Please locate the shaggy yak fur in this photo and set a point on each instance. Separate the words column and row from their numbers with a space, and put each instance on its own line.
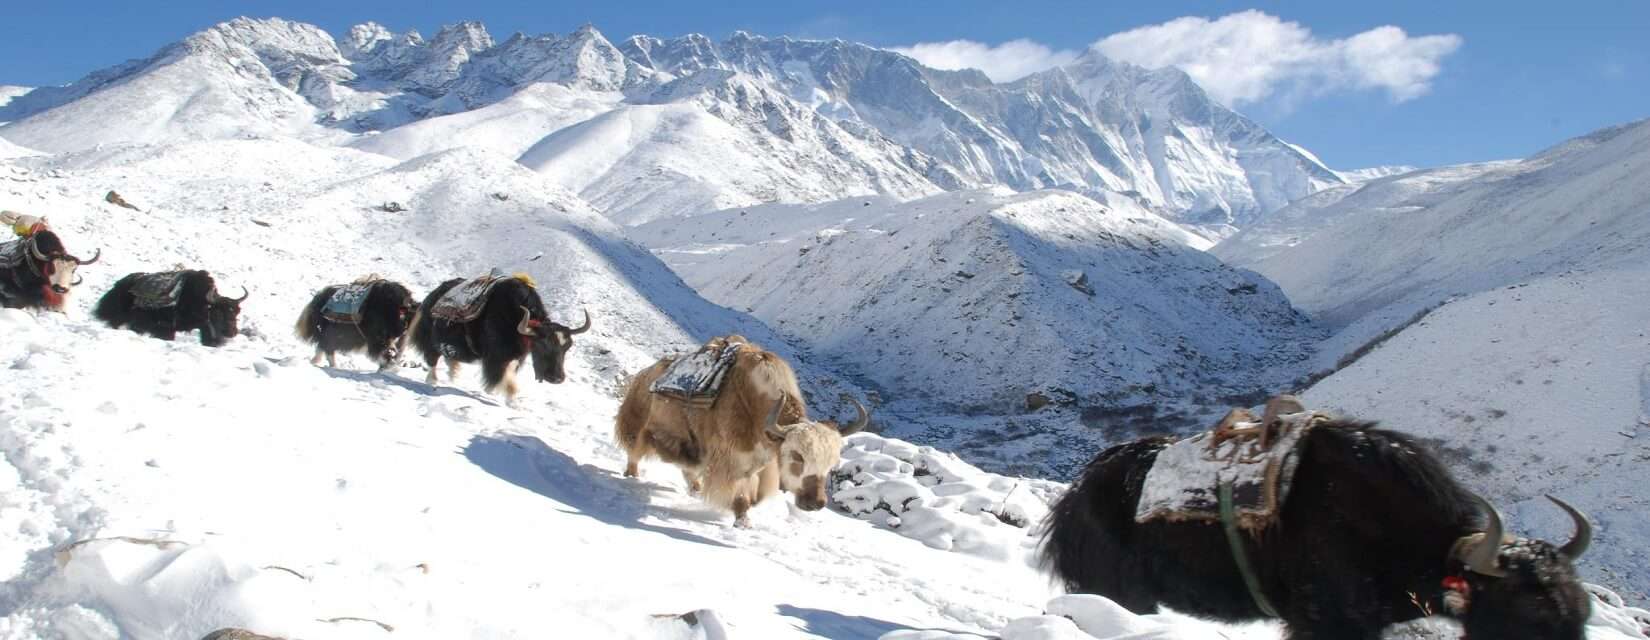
column 199, row 307
column 513, row 325
column 1370, row 531
column 385, row 314
column 755, row 440
column 43, row 279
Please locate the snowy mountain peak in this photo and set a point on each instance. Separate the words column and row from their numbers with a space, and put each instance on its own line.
column 1093, row 126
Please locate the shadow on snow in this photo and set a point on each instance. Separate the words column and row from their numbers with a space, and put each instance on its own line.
column 831, row 624
column 590, row 491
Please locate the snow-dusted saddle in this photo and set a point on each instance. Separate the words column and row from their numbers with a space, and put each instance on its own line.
column 464, row 302
column 158, row 290
column 697, row 377
column 1258, row 458
column 345, row 304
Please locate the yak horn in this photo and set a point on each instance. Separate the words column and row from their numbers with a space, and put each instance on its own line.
column 244, row 295
column 34, row 250
column 859, row 423
column 526, row 326
column 1480, row 556
column 77, row 280
column 770, row 424
column 1583, row 537
column 584, row 327
column 96, row 253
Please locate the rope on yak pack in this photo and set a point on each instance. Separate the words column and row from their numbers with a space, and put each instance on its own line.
column 1228, row 521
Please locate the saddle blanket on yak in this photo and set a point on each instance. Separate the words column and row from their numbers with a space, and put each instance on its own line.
column 12, row 254
column 1258, row 459
column 463, row 303
column 345, row 304
column 158, row 290
column 697, row 378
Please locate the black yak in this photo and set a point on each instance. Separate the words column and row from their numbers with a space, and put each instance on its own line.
column 1374, row 532
column 36, row 272
column 371, row 315
column 163, row 304
column 501, row 325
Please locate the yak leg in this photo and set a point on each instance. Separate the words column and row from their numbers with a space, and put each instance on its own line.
column 319, row 352
column 741, row 511
column 509, row 383
column 694, row 484
column 332, row 359
column 430, row 379
column 452, row 370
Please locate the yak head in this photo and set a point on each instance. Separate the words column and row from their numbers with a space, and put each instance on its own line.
column 56, row 265
column 223, row 317
column 1520, row 588
column 549, row 343
column 808, row 452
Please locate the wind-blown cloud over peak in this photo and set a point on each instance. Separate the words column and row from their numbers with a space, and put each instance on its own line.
column 1244, row 57
column 1250, row 56
column 1005, row 62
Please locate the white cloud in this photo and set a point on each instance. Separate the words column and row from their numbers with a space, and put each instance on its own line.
column 1251, row 56
column 1240, row 58
column 1010, row 60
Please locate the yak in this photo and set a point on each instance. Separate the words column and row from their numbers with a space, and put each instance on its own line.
column 754, row 440
column 163, row 304
column 511, row 324
column 374, row 319
column 36, row 272
column 1374, row 532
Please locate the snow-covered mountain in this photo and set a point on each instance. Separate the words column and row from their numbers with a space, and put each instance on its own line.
column 988, row 305
column 1499, row 309
column 787, row 120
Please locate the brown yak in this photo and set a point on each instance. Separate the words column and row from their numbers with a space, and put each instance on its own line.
column 755, row 439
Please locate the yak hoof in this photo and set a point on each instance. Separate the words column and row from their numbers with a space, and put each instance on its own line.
column 742, row 522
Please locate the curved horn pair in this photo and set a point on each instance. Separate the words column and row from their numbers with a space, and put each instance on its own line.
column 1481, row 555
column 212, row 296
column 584, row 327
column 859, row 423
column 526, row 326
column 34, row 251
column 96, row 254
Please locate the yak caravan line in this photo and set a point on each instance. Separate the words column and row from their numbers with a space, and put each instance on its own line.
column 1150, row 523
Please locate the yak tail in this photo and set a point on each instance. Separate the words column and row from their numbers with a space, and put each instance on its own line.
column 113, row 308
column 307, row 329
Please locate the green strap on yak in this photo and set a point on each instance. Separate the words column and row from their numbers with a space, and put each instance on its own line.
column 1228, row 520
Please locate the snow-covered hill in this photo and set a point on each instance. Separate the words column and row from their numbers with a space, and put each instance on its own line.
column 993, row 304
column 1498, row 309
column 1401, row 192
column 628, row 127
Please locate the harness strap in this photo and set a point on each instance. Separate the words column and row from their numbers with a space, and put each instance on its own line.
column 1228, row 521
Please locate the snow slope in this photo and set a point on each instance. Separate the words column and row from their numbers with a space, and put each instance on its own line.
column 987, row 303
column 224, row 82
column 1579, row 205
column 642, row 162
column 1396, row 194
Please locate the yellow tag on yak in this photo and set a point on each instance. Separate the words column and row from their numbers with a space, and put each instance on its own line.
column 525, row 279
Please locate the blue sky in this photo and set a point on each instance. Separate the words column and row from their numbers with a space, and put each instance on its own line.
column 1465, row 81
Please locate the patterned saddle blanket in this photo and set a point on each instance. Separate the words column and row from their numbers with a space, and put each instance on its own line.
column 697, row 377
column 13, row 254
column 158, row 290
column 345, row 304
column 1258, row 458
column 464, row 302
